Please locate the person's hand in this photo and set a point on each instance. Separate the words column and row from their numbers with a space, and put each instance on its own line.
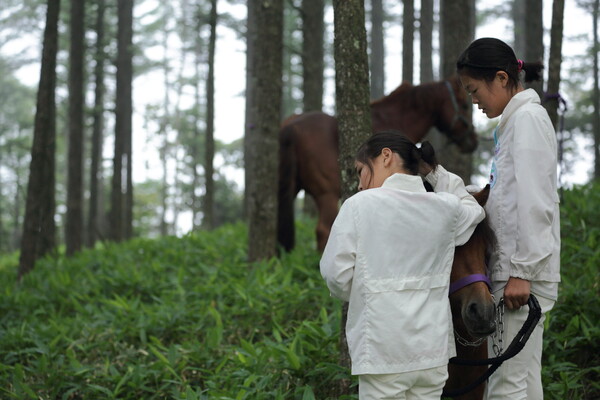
column 424, row 168
column 516, row 293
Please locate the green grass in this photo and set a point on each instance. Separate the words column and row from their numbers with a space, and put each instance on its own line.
column 189, row 318
column 571, row 363
column 170, row 319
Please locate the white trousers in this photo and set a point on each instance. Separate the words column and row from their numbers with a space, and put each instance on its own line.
column 426, row 384
column 519, row 378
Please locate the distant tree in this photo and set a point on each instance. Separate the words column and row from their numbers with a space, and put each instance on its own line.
column 96, row 203
column 39, row 229
column 122, row 185
column 456, row 32
column 17, row 104
column 74, row 224
column 353, row 110
column 519, row 22
column 408, row 38
column 262, row 140
column 209, row 196
column 250, row 111
column 377, row 56
column 534, row 38
column 596, row 91
column 313, row 31
column 551, row 100
column 426, row 41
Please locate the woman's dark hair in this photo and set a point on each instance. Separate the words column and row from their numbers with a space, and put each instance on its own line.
column 486, row 56
column 400, row 144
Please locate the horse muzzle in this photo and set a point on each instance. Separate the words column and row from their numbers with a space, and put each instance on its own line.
column 479, row 318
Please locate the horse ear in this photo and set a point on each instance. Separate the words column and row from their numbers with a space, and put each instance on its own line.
column 482, row 195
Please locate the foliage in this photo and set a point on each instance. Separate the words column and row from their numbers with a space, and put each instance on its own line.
column 571, row 344
column 176, row 318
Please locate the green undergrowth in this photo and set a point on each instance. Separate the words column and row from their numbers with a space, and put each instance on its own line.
column 189, row 318
column 172, row 318
column 571, row 362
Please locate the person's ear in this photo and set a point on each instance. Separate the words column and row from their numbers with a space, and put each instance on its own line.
column 387, row 156
column 502, row 77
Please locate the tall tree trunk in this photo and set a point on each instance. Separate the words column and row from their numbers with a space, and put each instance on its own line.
column 353, row 110
column 377, row 58
column 195, row 150
column 251, row 111
column 96, row 181
column 74, row 221
column 596, row 95
column 534, row 38
column 313, row 31
column 456, row 32
column 122, row 188
column 408, row 39
column 551, row 102
column 426, row 41
column 39, row 229
column 209, row 206
column 263, row 143
column 519, row 22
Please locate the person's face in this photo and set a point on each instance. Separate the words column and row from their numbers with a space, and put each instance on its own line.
column 490, row 97
column 381, row 167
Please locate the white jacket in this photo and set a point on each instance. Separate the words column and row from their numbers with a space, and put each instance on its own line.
column 523, row 207
column 389, row 254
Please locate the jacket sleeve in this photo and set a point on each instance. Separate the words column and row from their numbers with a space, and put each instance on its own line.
column 536, row 196
column 338, row 259
column 470, row 213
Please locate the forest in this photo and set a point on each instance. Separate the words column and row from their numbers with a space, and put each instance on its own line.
column 139, row 176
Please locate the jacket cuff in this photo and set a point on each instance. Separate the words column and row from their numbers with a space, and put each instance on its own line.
column 434, row 175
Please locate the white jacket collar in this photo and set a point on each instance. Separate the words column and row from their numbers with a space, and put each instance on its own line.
column 519, row 99
column 411, row 183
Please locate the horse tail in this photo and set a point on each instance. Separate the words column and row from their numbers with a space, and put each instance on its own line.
column 287, row 188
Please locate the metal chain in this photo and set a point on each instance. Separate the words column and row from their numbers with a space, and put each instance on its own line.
column 466, row 342
column 498, row 345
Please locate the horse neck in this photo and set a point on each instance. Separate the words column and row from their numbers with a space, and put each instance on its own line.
column 412, row 111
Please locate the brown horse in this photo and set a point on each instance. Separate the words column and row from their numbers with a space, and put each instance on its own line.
column 309, row 146
column 473, row 310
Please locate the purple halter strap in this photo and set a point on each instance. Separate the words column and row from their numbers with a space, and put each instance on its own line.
column 467, row 280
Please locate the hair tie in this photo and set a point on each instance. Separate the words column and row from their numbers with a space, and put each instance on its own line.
column 520, row 67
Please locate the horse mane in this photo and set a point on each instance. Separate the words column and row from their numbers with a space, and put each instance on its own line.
column 410, row 96
column 486, row 233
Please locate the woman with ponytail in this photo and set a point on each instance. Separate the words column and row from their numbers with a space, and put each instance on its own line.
column 522, row 207
column 389, row 254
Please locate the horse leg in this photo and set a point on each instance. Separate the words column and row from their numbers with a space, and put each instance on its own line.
column 328, row 208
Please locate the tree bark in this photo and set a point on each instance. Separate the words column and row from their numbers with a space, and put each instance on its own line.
column 534, row 39
column 122, row 187
column 250, row 112
column 39, row 229
column 551, row 101
column 377, row 57
column 74, row 219
column 519, row 21
column 313, row 31
column 95, row 210
column 426, row 41
column 408, row 39
column 263, row 144
column 456, row 32
column 209, row 211
column 596, row 94
column 353, row 111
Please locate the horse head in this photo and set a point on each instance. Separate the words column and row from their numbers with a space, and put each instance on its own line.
column 454, row 118
column 471, row 301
